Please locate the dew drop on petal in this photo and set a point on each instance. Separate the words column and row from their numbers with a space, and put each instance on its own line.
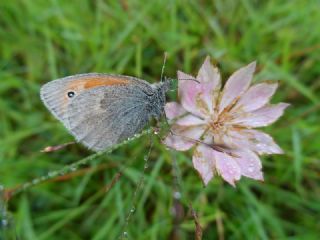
column 251, row 167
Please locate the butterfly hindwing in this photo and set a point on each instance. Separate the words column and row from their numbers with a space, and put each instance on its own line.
column 103, row 116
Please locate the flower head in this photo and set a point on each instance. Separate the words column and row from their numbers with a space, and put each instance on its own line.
column 219, row 123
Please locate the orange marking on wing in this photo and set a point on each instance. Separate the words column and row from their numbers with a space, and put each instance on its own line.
column 96, row 81
column 88, row 82
column 99, row 81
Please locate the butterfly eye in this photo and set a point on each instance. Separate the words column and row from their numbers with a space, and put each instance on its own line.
column 71, row 94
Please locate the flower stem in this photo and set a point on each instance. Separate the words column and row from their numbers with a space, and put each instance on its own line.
column 72, row 167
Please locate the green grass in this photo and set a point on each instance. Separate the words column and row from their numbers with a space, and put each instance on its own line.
column 44, row 40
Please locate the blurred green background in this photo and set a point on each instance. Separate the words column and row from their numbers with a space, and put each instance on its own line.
column 44, row 40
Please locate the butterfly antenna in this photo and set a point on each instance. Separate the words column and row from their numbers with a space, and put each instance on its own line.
column 189, row 79
column 163, row 66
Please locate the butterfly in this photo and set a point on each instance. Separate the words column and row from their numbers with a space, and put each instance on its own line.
column 101, row 110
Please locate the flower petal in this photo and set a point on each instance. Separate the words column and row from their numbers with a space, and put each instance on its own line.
column 227, row 167
column 174, row 110
column 203, row 162
column 249, row 164
column 256, row 97
column 200, row 96
column 189, row 120
column 263, row 142
column 254, row 140
column 261, row 117
column 209, row 78
column 189, row 91
column 179, row 139
column 236, row 85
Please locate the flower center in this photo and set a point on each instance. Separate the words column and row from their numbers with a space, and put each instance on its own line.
column 215, row 125
column 218, row 123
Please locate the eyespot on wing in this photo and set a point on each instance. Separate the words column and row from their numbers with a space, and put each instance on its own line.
column 58, row 94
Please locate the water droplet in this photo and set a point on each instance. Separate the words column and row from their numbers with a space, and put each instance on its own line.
column 145, row 158
column 4, row 222
column 177, row 195
column 156, row 132
column 35, row 181
column 62, row 172
column 125, row 234
column 146, row 166
column 132, row 209
column 73, row 169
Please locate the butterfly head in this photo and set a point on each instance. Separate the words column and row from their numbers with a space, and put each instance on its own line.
column 159, row 98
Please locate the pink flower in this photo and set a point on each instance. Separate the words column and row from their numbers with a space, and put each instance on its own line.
column 219, row 124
